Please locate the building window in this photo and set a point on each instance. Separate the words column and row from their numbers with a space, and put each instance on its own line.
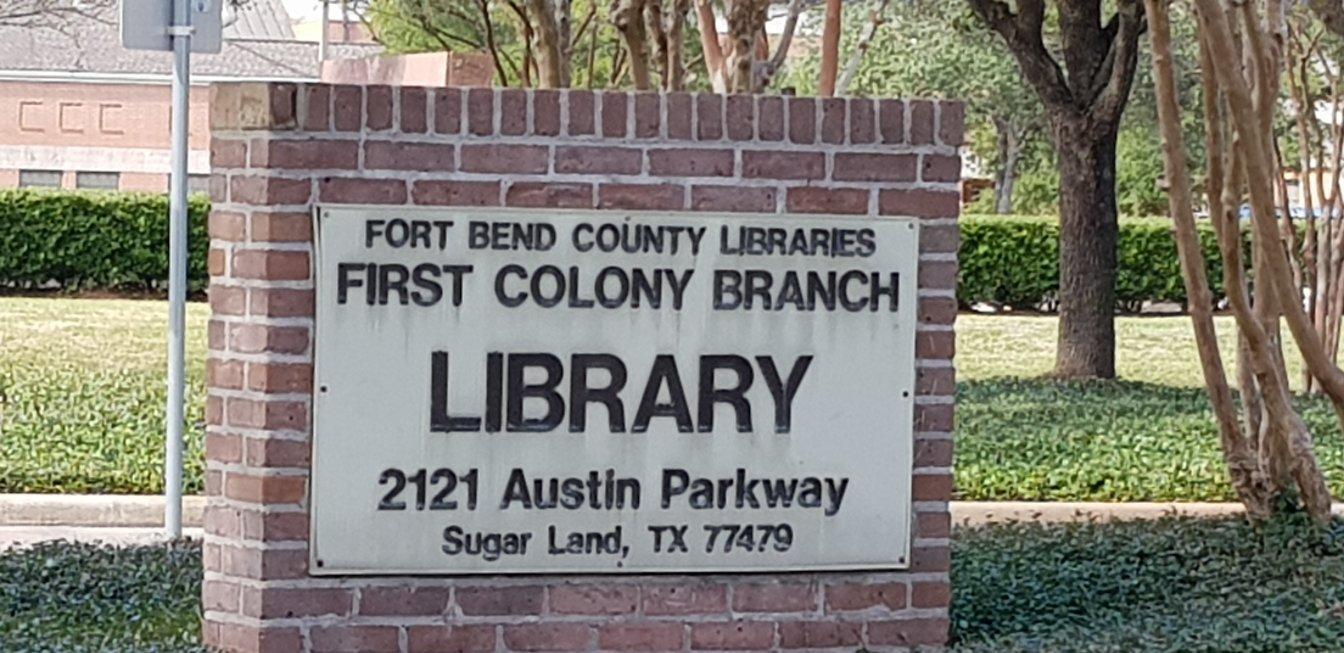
column 98, row 180
column 39, row 179
column 198, row 183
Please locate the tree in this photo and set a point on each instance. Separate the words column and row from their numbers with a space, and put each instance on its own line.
column 1083, row 85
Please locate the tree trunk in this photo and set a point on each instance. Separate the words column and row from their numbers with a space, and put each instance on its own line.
column 1010, row 153
column 628, row 18
column 830, row 49
column 1088, row 232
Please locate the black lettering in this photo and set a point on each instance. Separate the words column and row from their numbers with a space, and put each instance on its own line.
column 581, row 394
column 734, row 396
column 783, row 393
column 520, row 391
column 345, row 280
column 428, row 292
column 439, row 419
column 510, row 301
column 664, row 373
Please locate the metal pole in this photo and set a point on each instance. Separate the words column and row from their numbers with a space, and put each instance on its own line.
column 177, row 269
column 322, row 39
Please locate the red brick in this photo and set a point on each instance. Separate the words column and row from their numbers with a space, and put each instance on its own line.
column 708, row 117
column 951, row 123
column 215, row 261
column 933, row 417
column 495, row 601
column 291, row 227
column 348, row 108
column 317, row 108
column 733, row 199
column 933, row 594
column 740, row 117
column 766, row 164
column 424, row 157
column 214, row 483
column 548, row 637
column 504, row 158
column 775, row 598
column 236, row 637
column 938, row 167
column 936, row 381
column 598, row 160
column 684, row 599
column 921, row 122
column 512, row 112
column 648, row 115
column 217, row 335
column 246, row 413
column 581, row 112
column 770, row 117
column 862, row 126
column 931, row 559
column 451, row 639
column 273, row 452
column 546, row 112
column 933, row 453
column 833, row 120
column 938, row 274
column 853, row 166
column 219, row 187
column 353, row 639
column 908, row 632
column 288, row 603
column 549, row 195
column 305, row 155
column 413, row 110
column 403, row 601
column 226, row 300
column 280, row 377
column 614, row 114
column 225, row 225
column 802, row 120
column 844, row 597
column 268, row 190
column 679, row 111
column 224, row 447
column 919, row 202
column 456, row 193
column 933, row 524
column 932, row 487
column 224, row 373
column 891, row 121
column 943, row 239
column 219, row 595
column 481, row 111
column 447, row 110
column 678, row 162
column 640, row 196
column 270, row 264
column 819, row 634
column 274, row 526
column 263, row 564
column 227, row 154
column 648, row 636
column 827, row 200
column 734, row 635
column 935, row 344
column 265, row 489
column 362, row 190
column 937, row 310
column 281, row 302
column 214, row 410
column 595, row 599
column 378, row 115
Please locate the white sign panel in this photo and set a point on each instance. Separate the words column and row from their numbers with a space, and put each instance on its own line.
column 145, row 25
column 504, row 391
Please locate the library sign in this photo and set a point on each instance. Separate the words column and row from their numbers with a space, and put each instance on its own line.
column 504, row 391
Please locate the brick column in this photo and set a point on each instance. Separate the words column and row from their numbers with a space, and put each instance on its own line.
column 277, row 149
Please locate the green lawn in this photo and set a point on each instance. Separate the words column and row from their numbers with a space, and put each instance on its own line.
column 81, row 401
column 1179, row 585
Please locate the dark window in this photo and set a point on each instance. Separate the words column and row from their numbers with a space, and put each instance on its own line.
column 98, row 180
column 39, row 179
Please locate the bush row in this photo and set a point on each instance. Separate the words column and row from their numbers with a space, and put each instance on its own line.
column 1013, row 261
column 118, row 241
column 83, row 240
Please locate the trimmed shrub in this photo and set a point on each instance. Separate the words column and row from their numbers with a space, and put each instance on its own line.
column 91, row 240
column 1013, row 261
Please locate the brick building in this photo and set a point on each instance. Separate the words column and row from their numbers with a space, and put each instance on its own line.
column 79, row 111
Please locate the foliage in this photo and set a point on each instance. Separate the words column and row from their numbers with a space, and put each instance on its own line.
column 1014, row 261
column 82, row 395
column 75, row 598
column 1175, row 584
column 83, row 239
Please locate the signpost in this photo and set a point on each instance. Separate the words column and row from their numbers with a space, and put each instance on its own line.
column 505, row 391
column 182, row 26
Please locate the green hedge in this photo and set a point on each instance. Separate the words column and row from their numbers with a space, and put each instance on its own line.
column 86, row 240
column 1014, row 261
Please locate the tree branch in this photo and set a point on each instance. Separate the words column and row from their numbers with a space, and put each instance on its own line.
column 1023, row 33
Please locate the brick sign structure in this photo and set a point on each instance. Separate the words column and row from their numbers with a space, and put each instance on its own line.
column 280, row 150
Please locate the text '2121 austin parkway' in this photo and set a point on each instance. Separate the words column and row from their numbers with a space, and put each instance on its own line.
column 505, row 391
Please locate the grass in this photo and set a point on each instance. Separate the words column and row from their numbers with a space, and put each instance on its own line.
column 81, row 405
column 1176, row 584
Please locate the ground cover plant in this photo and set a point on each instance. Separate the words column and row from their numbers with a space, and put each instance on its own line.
column 82, row 391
